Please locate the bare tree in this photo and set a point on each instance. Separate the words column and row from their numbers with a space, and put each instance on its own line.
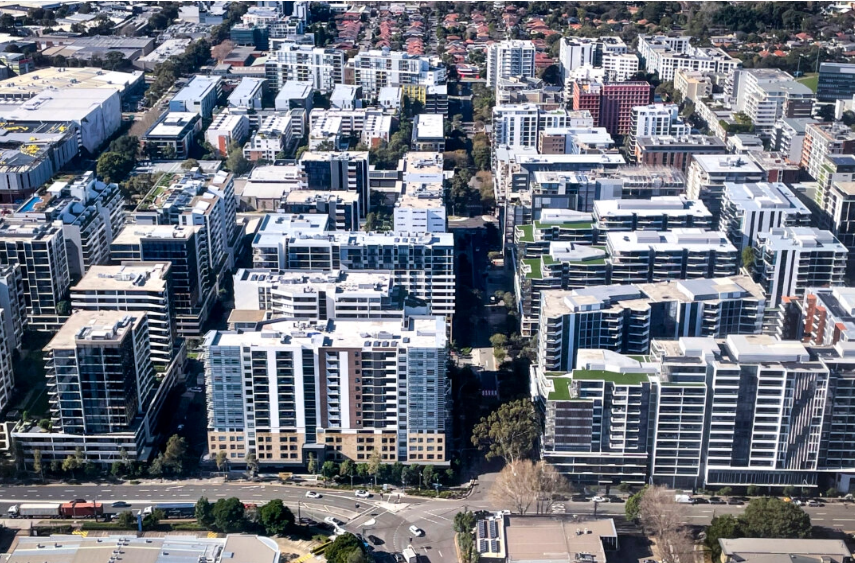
column 516, row 485
column 522, row 482
column 221, row 51
column 663, row 517
column 549, row 484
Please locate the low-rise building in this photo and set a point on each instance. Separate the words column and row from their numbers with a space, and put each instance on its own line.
column 692, row 84
column 293, row 95
column 248, row 94
column 276, row 134
column 341, row 207
column 753, row 550
column 199, row 96
column 428, row 132
column 227, row 128
column 172, row 136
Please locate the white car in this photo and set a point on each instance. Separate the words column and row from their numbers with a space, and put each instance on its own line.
column 312, row 494
column 600, row 499
column 334, row 521
column 416, row 531
column 362, row 493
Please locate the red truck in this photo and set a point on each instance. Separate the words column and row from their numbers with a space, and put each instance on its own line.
column 81, row 509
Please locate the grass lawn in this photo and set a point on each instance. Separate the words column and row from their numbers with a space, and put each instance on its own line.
column 810, row 80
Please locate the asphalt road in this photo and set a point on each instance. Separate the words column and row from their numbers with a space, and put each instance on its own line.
column 386, row 517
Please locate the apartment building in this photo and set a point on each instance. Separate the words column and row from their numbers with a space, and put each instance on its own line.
column 660, row 213
column 708, row 174
column 823, row 140
column 508, row 59
column 665, row 55
column 610, row 103
column 13, row 303
column 423, row 263
column 420, row 206
column 172, row 136
column 7, row 344
column 836, row 82
column 750, row 209
column 337, row 126
column 788, row 137
column 678, row 254
column 206, row 201
column 839, row 216
column 276, row 135
column 625, row 318
column 342, row 208
column 101, row 388
column 91, row 213
column 521, row 125
column 429, row 132
column 694, row 85
column 675, row 151
column 768, row 102
column 337, row 390
column 248, row 94
column 789, row 260
column 322, row 67
column 227, row 128
column 654, row 120
column 377, row 68
column 620, row 67
column 554, row 225
column 338, row 171
column 319, row 296
column 564, row 265
column 199, row 96
column 40, row 251
column 193, row 284
column 136, row 288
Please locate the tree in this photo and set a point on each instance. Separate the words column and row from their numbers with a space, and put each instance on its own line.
column 343, row 546
column 37, row 463
column 726, row 526
column 204, row 512
column 753, row 490
column 509, row 432
column 826, row 112
column 429, row 476
column 312, row 465
column 229, row 515
column 498, row 340
column 832, row 493
column 113, row 166
column 551, row 75
column 362, row 470
column 848, row 118
column 748, row 257
column 549, row 484
column 663, row 516
column 221, row 51
column 189, row 164
column 117, row 468
column 127, row 520
column 236, row 162
column 173, row 455
column 71, row 464
column 770, row 517
column 464, row 521
column 346, row 469
column 789, row 491
column 516, row 486
column 251, row 462
column 156, row 467
column 329, row 470
column 633, row 505
column 374, row 463
column 276, row 517
column 725, row 491
column 222, row 459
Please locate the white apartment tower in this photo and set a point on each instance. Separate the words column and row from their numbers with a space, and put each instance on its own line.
column 510, row 59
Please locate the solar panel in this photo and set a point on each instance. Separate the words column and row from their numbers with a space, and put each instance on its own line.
column 482, row 546
column 494, row 529
column 482, row 528
column 494, row 546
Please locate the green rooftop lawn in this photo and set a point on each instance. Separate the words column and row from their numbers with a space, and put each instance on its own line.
column 527, row 233
column 534, row 264
column 562, row 389
column 575, row 225
column 618, row 378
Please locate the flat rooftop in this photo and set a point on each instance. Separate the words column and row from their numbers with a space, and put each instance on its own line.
column 801, row 238
column 553, row 539
column 704, row 289
column 655, row 206
column 762, row 550
column 132, row 234
column 89, row 326
column 755, row 348
column 429, row 126
column 197, row 88
column 675, row 239
column 718, row 164
column 174, row 549
column 173, row 124
column 130, row 276
column 30, row 84
column 764, row 196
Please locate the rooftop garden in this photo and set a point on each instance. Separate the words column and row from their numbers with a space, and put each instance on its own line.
column 610, row 376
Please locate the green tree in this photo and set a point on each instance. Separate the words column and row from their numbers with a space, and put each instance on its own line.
column 632, row 508
column 127, row 520
column 373, row 465
column 429, row 476
column 236, row 162
column 156, row 468
column 117, row 468
column 725, row 491
column 189, row 164
column 347, row 469
column 153, row 519
column 832, row 493
column 174, row 454
column 748, row 257
column 251, row 462
column 341, row 549
column 753, row 490
column 276, row 518
column 229, row 515
column 312, row 465
column 37, row 463
column 204, row 512
column 464, row 521
column 113, row 167
column 789, row 491
column 499, row 340
column 221, row 459
column 509, row 432
column 329, row 470
column 771, row 517
column 362, row 470
column 722, row 527
column 826, row 112
column 71, row 464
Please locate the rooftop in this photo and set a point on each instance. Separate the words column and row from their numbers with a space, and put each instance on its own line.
column 756, row 348
column 132, row 234
column 759, row 550
column 655, row 206
column 174, row 124
column 90, row 326
column 136, row 276
column 763, row 196
column 550, row 539
column 197, row 88
column 802, row 238
column 718, row 164
column 31, row 83
column 664, row 241
column 429, row 126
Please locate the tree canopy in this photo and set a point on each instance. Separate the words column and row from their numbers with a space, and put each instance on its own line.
column 509, row 432
column 276, row 517
column 344, row 547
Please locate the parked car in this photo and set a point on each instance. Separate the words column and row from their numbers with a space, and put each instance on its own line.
column 735, row 502
column 375, row 540
column 362, row 493
column 416, row 531
column 196, row 389
column 399, row 558
column 334, row 521
column 716, row 500
column 600, row 499
column 312, row 494
column 814, row 503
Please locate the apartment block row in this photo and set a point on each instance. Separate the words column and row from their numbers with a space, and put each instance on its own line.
column 702, row 411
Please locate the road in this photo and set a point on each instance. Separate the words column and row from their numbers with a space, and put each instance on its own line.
column 375, row 516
